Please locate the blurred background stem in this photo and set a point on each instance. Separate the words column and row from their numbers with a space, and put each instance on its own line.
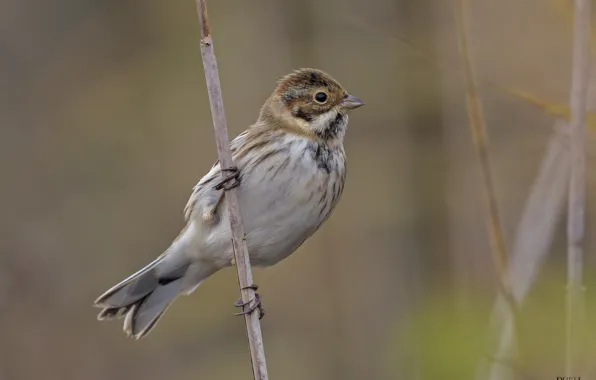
column 577, row 187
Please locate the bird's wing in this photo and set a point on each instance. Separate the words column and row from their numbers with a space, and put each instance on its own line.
column 204, row 190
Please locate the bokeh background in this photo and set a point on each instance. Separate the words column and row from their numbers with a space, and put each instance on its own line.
column 105, row 127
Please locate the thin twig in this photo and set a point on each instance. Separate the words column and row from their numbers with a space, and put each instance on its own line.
column 478, row 129
column 533, row 238
column 253, row 326
column 577, row 186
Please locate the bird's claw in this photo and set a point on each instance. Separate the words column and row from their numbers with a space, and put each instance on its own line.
column 230, row 181
column 256, row 303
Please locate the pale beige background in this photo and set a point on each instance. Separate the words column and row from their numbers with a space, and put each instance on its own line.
column 105, row 128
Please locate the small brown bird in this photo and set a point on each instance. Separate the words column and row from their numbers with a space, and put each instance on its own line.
column 291, row 168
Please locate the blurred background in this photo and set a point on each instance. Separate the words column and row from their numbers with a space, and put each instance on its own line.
column 105, row 127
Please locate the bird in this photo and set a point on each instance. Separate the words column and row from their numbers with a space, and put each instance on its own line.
column 290, row 170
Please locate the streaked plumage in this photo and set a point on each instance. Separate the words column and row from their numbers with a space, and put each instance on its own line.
column 292, row 169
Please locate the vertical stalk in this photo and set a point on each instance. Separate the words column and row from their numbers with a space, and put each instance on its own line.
column 577, row 186
column 253, row 326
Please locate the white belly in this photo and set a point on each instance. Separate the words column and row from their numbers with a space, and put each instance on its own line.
column 279, row 211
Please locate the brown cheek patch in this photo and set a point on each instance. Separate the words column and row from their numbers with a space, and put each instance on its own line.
column 302, row 115
column 298, row 111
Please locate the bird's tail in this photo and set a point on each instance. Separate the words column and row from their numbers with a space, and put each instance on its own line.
column 142, row 297
column 145, row 296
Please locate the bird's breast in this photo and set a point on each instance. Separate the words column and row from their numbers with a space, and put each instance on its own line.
column 286, row 199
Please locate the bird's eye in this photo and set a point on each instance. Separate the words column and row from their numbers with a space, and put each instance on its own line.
column 320, row 97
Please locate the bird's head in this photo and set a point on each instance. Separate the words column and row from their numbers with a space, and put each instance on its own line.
column 310, row 102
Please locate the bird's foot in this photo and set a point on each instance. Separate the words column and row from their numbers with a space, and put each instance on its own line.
column 251, row 305
column 230, row 181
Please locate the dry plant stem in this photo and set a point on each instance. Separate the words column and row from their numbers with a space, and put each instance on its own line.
column 577, row 185
column 478, row 129
column 253, row 326
column 533, row 238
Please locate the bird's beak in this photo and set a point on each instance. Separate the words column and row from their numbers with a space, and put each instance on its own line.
column 350, row 102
